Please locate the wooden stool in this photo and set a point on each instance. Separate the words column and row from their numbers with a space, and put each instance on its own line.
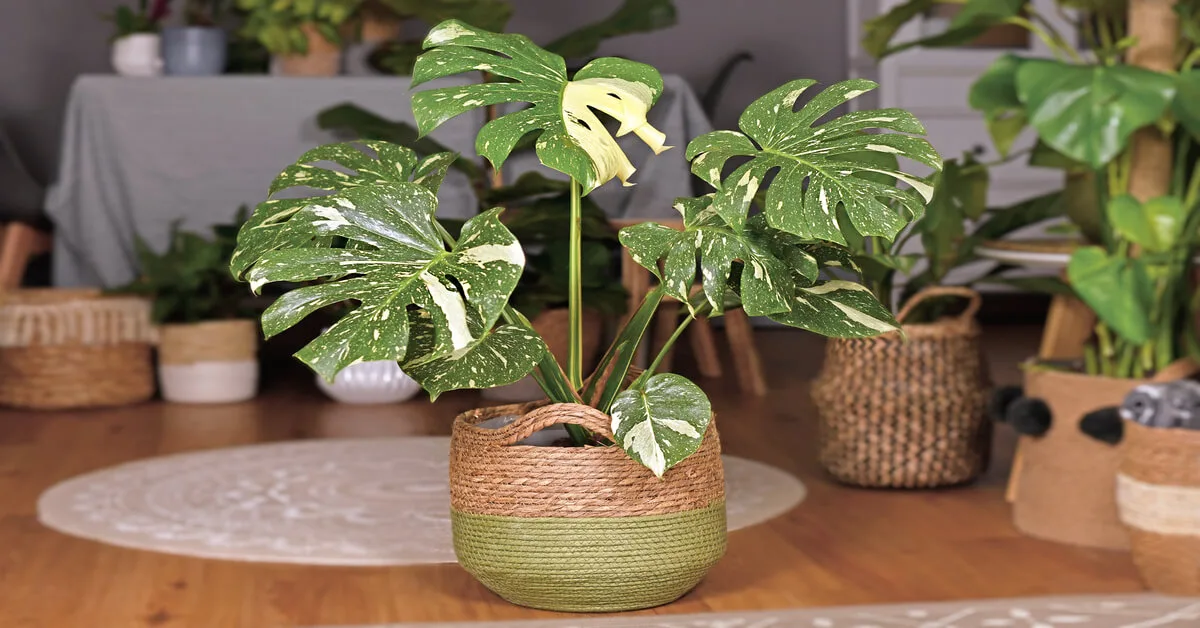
column 18, row 245
column 738, row 330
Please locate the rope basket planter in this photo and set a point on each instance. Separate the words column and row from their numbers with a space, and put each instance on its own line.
column 896, row 414
column 209, row 362
column 1158, row 495
column 581, row 529
column 63, row 349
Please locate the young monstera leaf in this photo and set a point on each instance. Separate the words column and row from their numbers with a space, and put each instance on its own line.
column 572, row 139
column 662, row 421
column 818, row 165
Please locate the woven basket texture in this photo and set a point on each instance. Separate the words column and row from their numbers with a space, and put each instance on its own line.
column 1159, row 500
column 896, row 414
column 581, row 529
column 62, row 349
column 208, row 341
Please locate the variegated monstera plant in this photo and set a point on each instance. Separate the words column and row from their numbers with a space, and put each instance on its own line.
column 439, row 305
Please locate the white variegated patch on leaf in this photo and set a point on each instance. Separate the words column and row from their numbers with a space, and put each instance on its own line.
column 331, row 168
column 397, row 263
column 839, row 309
column 818, row 165
column 497, row 358
column 663, row 423
column 572, row 139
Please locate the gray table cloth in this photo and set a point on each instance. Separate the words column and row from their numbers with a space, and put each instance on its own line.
column 141, row 153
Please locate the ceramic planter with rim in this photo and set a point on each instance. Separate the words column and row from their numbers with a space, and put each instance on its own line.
column 580, row 529
column 194, row 51
column 324, row 58
column 208, row 362
column 139, row 54
column 378, row 381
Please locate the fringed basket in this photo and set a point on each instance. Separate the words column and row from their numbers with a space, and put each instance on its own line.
column 1158, row 494
column 906, row 414
column 74, row 349
column 583, row 529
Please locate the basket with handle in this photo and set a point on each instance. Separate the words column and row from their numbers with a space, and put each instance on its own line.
column 74, row 348
column 583, row 529
column 897, row 413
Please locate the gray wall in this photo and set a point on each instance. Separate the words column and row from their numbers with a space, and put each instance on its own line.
column 46, row 43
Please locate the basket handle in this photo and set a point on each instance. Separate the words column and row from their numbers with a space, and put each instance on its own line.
column 555, row 414
column 974, row 301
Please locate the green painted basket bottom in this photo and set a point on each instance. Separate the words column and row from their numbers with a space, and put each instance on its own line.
column 591, row 564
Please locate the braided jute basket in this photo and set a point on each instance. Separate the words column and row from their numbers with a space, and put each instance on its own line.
column 1158, row 494
column 64, row 349
column 581, row 529
column 906, row 414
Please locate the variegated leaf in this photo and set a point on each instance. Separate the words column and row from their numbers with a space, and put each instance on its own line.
column 838, row 309
column 497, row 358
column 662, row 423
column 816, row 163
column 331, row 168
column 769, row 262
column 572, row 139
column 397, row 263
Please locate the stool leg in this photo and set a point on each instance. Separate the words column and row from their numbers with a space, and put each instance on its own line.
column 704, row 346
column 18, row 245
column 745, row 353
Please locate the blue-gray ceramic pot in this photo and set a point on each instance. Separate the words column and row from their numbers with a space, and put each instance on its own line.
column 194, row 51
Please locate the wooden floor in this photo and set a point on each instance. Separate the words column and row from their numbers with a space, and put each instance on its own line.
column 841, row 546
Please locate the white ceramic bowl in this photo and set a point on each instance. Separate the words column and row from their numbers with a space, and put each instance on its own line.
column 370, row 382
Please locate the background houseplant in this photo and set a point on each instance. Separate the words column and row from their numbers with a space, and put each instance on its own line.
column 1120, row 111
column 439, row 304
column 199, row 47
column 207, row 341
column 303, row 36
column 136, row 45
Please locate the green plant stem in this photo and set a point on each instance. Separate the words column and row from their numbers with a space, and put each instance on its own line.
column 614, row 366
column 1056, row 45
column 1192, row 196
column 1091, row 363
column 575, row 297
column 666, row 348
column 1191, row 60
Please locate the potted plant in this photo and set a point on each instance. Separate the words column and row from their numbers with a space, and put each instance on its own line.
column 207, row 348
column 198, row 48
column 650, row 512
column 369, row 382
column 304, row 37
column 908, row 409
column 136, row 47
column 1121, row 109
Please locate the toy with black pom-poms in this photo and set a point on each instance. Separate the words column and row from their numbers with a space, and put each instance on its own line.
column 1027, row 415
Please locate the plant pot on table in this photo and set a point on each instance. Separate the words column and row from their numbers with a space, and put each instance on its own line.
column 194, row 50
column 139, row 54
column 906, row 414
column 323, row 57
column 581, row 529
column 208, row 362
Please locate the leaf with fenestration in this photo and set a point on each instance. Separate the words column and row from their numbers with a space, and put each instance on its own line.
column 1118, row 290
column 496, row 358
column 352, row 168
column 399, row 263
column 817, row 168
column 838, row 309
column 1089, row 112
column 663, row 423
column 572, row 140
column 765, row 284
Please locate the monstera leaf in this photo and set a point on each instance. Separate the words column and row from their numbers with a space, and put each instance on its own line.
column 662, row 422
column 838, row 309
column 818, row 168
column 389, row 164
column 973, row 20
column 572, row 139
column 1088, row 113
column 766, row 284
column 395, row 262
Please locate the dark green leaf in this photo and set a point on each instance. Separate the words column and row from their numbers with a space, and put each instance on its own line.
column 1186, row 105
column 838, row 309
column 370, row 126
column 633, row 16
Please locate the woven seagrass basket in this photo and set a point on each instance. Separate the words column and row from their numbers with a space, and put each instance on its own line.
column 1158, row 494
column 906, row 414
column 581, row 529
column 74, row 349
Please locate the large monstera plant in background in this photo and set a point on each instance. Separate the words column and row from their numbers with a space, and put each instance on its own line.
column 439, row 305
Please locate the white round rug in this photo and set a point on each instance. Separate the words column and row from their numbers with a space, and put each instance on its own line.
column 318, row 502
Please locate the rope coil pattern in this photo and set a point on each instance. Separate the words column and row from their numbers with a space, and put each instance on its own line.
column 491, row 475
column 1159, row 490
column 74, row 349
column 903, row 414
column 209, row 341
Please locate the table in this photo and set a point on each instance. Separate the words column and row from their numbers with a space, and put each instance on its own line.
column 141, row 153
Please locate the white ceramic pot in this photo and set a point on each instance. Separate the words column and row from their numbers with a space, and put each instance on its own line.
column 209, row 382
column 138, row 55
column 209, row 362
column 379, row 381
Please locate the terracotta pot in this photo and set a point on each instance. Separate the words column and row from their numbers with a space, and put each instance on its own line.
column 209, row 362
column 324, row 58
